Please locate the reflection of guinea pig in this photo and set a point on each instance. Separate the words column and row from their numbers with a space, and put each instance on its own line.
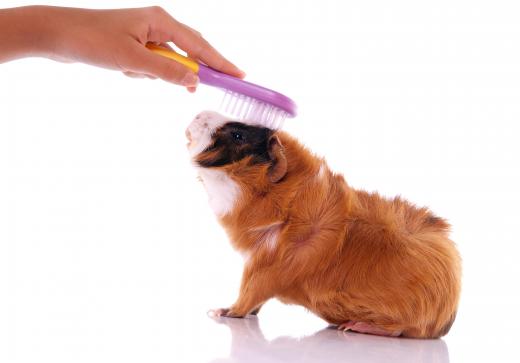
column 248, row 340
column 358, row 260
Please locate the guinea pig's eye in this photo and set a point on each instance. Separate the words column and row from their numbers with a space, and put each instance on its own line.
column 237, row 136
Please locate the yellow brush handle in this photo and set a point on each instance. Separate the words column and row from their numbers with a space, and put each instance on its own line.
column 188, row 62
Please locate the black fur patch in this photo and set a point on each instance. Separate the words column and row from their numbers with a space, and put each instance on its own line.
column 233, row 142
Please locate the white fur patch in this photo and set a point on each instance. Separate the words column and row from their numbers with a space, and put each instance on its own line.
column 321, row 172
column 246, row 255
column 268, row 240
column 223, row 192
column 201, row 129
column 270, row 235
column 271, row 238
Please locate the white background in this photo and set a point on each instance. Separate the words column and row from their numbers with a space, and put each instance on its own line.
column 108, row 248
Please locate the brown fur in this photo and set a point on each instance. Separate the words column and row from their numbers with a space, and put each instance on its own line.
column 342, row 253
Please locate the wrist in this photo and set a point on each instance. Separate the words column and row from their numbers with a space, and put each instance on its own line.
column 27, row 32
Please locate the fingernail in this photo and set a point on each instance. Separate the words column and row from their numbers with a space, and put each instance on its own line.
column 190, row 80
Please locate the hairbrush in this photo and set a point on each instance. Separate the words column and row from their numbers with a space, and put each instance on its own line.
column 244, row 100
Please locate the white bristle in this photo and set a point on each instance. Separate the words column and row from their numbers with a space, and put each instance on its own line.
column 236, row 103
column 240, row 105
column 227, row 98
column 247, row 111
column 232, row 100
column 243, row 109
column 223, row 103
column 250, row 110
column 232, row 103
column 269, row 116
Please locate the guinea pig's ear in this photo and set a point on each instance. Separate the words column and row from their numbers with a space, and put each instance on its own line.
column 278, row 167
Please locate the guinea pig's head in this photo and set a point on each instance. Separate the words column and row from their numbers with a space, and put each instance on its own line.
column 245, row 152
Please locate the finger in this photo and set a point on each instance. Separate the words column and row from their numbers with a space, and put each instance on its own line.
column 164, row 45
column 193, row 43
column 144, row 61
column 161, row 44
column 191, row 89
column 134, row 74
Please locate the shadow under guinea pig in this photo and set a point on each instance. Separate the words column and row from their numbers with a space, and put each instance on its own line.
column 248, row 344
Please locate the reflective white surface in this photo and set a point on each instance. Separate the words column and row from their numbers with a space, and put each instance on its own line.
column 249, row 345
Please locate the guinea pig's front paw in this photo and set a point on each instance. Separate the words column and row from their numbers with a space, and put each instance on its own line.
column 215, row 313
column 224, row 312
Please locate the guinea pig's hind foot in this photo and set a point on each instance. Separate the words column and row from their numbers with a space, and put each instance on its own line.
column 367, row 328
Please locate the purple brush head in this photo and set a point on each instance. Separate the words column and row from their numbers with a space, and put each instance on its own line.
column 248, row 101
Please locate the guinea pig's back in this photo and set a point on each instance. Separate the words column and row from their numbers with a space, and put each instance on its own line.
column 398, row 259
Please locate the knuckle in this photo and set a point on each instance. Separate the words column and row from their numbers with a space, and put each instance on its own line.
column 200, row 48
column 195, row 32
column 156, row 10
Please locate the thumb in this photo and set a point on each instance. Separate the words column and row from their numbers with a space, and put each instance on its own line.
column 147, row 62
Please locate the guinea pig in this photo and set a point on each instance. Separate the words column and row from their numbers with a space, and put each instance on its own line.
column 357, row 260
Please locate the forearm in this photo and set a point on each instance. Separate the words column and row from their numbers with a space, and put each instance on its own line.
column 26, row 32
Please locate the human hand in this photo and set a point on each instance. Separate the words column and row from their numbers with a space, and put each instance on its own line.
column 116, row 39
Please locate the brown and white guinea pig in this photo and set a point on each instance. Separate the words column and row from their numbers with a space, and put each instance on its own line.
column 359, row 261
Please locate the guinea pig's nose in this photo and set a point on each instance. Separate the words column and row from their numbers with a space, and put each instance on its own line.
column 188, row 134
